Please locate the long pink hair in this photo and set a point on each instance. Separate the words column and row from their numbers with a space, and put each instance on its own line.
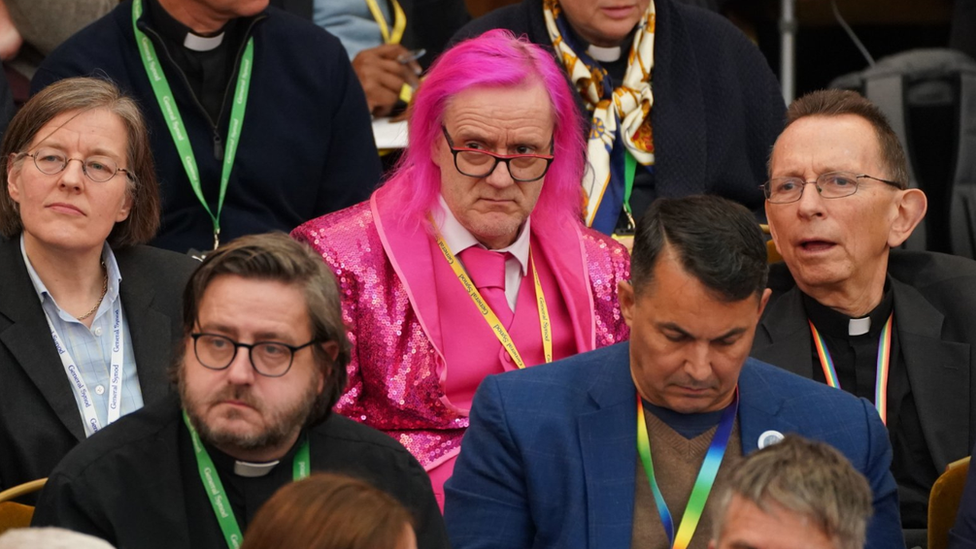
column 496, row 59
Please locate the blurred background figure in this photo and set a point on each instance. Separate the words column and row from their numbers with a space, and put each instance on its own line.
column 31, row 29
column 50, row 538
column 382, row 37
column 328, row 511
column 88, row 315
column 795, row 493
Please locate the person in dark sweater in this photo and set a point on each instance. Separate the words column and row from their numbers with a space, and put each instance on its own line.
column 237, row 151
column 696, row 107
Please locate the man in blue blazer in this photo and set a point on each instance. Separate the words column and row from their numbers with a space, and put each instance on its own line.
column 603, row 450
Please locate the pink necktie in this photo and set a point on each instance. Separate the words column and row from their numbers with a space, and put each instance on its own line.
column 487, row 270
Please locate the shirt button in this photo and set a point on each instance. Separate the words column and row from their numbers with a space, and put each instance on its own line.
column 100, row 389
column 97, row 331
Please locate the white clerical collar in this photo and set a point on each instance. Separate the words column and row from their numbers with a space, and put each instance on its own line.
column 604, row 55
column 458, row 238
column 859, row 326
column 196, row 42
column 252, row 470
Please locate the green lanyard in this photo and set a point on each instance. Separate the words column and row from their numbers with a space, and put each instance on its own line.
column 167, row 103
column 215, row 488
column 630, row 172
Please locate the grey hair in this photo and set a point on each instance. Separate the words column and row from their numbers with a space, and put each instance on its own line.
column 808, row 478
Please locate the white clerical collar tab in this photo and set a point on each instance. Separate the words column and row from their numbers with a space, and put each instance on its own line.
column 251, row 470
column 604, row 55
column 859, row 326
column 202, row 43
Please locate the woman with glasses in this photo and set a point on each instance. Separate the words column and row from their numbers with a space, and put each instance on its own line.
column 472, row 259
column 87, row 315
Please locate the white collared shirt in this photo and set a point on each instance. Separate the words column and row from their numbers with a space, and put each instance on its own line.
column 92, row 347
column 458, row 239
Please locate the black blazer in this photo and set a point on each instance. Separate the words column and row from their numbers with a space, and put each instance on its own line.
column 39, row 420
column 935, row 316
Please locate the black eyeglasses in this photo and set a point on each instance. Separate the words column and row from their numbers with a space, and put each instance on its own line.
column 523, row 168
column 268, row 358
column 784, row 190
column 98, row 168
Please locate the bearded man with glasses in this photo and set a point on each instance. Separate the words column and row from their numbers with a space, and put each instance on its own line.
column 891, row 326
column 472, row 259
column 261, row 363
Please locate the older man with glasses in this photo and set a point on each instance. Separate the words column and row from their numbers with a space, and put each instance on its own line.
column 472, row 259
column 891, row 326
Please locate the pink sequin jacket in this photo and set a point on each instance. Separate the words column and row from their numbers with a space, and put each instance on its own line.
column 397, row 371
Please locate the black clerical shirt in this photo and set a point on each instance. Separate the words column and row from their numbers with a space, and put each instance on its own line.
column 208, row 73
column 644, row 191
column 855, row 361
column 246, row 495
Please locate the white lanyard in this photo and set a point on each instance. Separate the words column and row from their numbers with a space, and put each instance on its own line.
column 78, row 385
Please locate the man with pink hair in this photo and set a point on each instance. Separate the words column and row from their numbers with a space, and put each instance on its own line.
column 472, row 259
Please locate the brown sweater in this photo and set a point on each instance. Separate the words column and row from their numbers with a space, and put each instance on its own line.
column 677, row 461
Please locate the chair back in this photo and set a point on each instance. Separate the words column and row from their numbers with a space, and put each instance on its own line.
column 944, row 502
column 13, row 514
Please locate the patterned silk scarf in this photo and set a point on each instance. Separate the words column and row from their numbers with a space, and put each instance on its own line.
column 618, row 114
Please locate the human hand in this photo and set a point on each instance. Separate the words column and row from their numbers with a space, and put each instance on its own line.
column 382, row 75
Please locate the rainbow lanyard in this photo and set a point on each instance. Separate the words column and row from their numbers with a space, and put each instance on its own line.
column 884, row 364
column 490, row 317
column 704, row 482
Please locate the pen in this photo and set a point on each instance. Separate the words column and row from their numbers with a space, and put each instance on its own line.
column 414, row 55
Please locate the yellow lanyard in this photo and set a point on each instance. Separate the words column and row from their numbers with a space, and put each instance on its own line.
column 399, row 21
column 496, row 325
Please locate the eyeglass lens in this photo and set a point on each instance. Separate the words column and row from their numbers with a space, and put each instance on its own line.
column 830, row 185
column 479, row 164
column 268, row 357
column 53, row 161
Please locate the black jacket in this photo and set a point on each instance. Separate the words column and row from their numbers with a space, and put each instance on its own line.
column 935, row 312
column 39, row 419
column 136, row 484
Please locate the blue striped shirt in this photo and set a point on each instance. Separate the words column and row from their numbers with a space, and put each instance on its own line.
column 91, row 348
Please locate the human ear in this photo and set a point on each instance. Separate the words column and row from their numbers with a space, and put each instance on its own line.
column 627, row 300
column 911, row 206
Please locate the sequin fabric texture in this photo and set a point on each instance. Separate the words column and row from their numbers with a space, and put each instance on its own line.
column 394, row 375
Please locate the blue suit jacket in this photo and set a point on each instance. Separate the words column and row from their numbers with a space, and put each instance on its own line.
column 550, row 455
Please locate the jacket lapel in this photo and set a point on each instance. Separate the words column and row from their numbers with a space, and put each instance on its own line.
column 608, row 438
column 759, row 407
column 563, row 250
column 28, row 338
column 783, row 337
column 938, row 372
column 409, row 252
column 148, row 328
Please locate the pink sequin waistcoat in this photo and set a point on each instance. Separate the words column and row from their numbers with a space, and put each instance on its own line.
column 396, row 373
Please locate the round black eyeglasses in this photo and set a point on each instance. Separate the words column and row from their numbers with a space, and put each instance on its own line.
column 268, row 358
